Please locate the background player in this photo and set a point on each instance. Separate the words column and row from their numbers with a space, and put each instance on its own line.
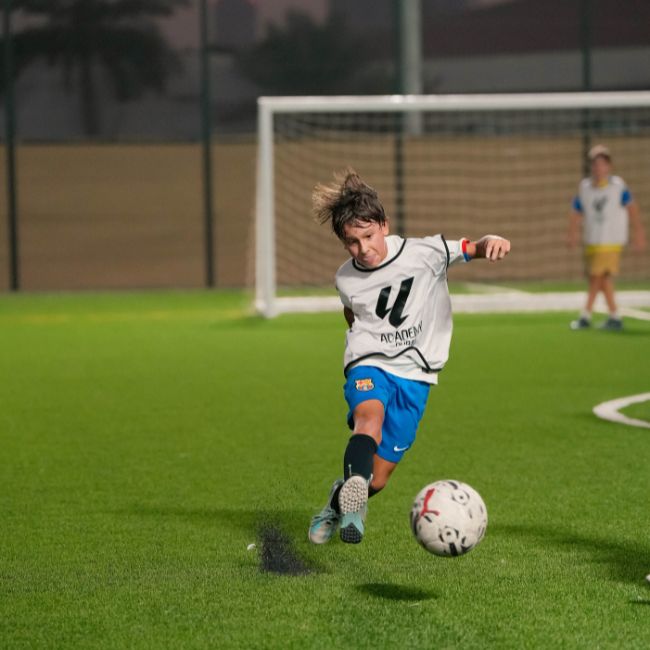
column 603, row 207
column 396, row 302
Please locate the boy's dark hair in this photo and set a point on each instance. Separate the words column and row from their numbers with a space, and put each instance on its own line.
column 348, row 200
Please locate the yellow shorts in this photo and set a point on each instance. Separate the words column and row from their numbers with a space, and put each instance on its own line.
column 603, row 260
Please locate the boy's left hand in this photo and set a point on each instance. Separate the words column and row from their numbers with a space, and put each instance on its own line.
column 496, row 248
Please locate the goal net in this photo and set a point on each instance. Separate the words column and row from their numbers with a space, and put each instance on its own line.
column 463, row 166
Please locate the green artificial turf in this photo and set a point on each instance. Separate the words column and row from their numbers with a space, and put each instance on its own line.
column 146, row 437
column 639, row 411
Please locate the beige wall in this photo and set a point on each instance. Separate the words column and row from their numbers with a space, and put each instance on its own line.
column 117, row 216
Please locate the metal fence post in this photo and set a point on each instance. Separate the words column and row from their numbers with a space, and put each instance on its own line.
column 585, row 48
column 206, row 140
column 10, row 147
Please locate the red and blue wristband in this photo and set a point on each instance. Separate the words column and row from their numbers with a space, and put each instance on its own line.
column 464, row 249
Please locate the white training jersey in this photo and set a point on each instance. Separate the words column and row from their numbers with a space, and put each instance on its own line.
column 402, row 309
column 604, row 208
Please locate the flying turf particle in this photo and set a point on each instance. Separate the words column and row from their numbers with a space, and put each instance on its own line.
column 277, row 553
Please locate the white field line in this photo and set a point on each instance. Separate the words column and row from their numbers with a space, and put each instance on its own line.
column 532, row 302
column 505, row 302
column 635, row 313
column 610, row 410
column 477, row 287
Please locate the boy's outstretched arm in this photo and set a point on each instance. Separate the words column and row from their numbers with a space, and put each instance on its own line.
column 490, row 247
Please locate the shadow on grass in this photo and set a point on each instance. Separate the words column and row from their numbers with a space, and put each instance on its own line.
column 628, row 332
column 390, row 591
column 286, row 322
column 625, row 561
column 247, row 520
column 274, row 530
column 238, row 323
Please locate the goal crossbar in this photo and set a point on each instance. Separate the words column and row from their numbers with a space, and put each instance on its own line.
column 478, row 102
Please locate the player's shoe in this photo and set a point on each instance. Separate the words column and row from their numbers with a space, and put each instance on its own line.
column 324, row 524
column 353, row 503
column 612, row 324
column 581, row 323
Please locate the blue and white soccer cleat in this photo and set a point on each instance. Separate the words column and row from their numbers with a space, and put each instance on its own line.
column 353, row 502
column 612, row 324
column 324, row 524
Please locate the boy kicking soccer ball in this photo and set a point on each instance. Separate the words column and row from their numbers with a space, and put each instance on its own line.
column 396, row 303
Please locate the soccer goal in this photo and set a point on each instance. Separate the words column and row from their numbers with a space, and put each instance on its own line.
column 461, row 165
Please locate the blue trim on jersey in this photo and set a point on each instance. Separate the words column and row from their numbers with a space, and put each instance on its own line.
column 577, row 204
column 404, row 401
column 626, row 197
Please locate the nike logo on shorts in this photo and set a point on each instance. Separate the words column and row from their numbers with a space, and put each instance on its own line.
column 398, row 449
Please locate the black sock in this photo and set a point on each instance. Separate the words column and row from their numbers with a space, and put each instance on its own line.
column 372, row 491
column 358, row 459
column 359, row 456
column 334, row 503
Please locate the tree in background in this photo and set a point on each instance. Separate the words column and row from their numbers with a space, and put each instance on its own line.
column 85, row 36
column 303, row 58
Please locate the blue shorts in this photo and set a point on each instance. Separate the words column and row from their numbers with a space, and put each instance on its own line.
column 403, row 399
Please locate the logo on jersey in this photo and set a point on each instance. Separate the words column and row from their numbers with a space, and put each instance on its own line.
column 364, row 385
column 382, row 310
column 600, row 203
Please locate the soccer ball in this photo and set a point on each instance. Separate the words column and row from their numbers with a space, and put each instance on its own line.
column 448, row 518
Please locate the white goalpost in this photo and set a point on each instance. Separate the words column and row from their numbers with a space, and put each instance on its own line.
column 462, row 165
